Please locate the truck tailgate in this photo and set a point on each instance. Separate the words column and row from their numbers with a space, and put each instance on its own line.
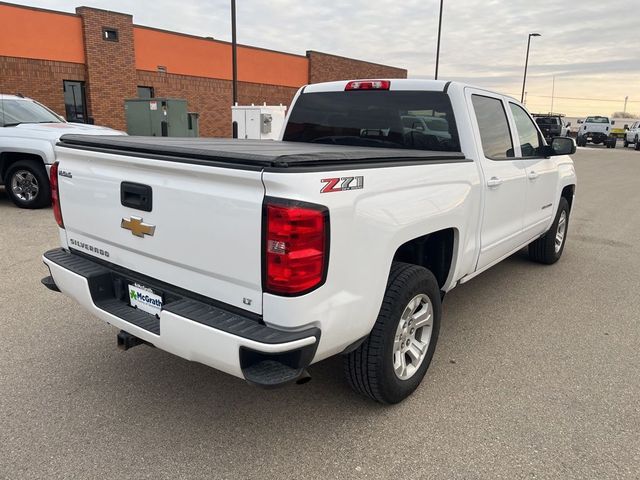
column 207, row 221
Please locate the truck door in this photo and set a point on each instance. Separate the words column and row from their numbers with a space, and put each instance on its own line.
column 542, row 173
column 504, row 178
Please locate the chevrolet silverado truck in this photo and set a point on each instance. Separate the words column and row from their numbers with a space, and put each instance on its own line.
column 28, row 134
column 260, row 258
column 597, row 130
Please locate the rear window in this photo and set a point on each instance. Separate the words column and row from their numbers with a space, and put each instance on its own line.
column 389, row 119
column 547, row 121
column 597, row 120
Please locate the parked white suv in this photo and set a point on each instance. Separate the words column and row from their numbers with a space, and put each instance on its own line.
column 28, row 133
column 632, row 136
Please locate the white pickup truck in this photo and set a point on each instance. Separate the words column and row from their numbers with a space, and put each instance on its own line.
column 597, row 130
column 632, row 136
column 28, row 134
column 260, row 258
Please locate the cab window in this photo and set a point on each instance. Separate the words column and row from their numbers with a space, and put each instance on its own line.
column 494, row 127
column 528, row 136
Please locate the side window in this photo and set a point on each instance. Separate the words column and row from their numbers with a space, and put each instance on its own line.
column 494, row 127
column 527, row 132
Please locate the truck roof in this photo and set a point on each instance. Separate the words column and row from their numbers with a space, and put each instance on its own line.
column 4, row 96
column 399, row 84
column 252, row 154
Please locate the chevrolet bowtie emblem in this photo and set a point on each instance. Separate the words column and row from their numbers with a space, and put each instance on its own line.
column 137, row 227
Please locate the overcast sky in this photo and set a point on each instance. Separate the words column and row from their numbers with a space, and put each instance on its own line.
column 590, row 46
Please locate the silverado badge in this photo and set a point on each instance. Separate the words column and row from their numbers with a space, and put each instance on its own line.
column 138, row 227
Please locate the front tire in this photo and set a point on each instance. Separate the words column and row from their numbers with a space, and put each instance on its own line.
column 548, row 248
column 27, row 185
column 391, row 362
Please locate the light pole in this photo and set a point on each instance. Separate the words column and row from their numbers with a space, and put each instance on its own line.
column 439, row 31
column 526, row 64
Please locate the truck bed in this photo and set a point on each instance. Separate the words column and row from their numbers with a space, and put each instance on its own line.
column 255, row 154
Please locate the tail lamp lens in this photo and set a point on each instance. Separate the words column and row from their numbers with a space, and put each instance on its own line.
column 296, row 246
column 368, row 85
column 55, row 194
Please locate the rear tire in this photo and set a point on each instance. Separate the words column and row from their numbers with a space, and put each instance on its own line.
column 385, row 367
column 548, row 248
column 27, row 184
column 626, row 144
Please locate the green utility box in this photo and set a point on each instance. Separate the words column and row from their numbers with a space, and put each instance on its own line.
column 160, row 117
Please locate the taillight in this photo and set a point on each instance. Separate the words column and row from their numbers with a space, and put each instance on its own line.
column 368, row 85
column 55, row 194
column 296, row 247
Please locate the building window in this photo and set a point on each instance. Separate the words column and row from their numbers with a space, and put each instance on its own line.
column 145, row 92
column 75, row 101
column 110, row 34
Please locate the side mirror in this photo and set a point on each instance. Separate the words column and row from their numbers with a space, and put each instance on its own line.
column 613, row 122
column 569, row 124
column 580, row 121
column 561, row 146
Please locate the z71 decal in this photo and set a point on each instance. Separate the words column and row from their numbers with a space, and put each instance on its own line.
column 342, row 184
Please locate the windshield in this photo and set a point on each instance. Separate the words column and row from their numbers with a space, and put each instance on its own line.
column 15, row 112
column 547, row 121
column 597, row 120
column 392, row 119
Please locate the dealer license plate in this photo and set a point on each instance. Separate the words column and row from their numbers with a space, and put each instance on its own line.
column 144, row 299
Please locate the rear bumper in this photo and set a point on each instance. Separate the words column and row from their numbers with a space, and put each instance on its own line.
column 188, row 327
column 598, row 136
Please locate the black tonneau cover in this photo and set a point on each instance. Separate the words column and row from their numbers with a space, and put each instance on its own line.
column 253, row 154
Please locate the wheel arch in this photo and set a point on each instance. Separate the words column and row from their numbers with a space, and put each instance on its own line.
column 436, row 251
column 568, row 193
column 9, row 158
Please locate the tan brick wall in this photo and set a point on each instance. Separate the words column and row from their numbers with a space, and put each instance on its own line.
column 324, row 67
column 212, row 97
column 111, row 69
column 39, row 79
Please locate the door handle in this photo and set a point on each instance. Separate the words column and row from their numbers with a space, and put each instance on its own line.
column 494, row 182
column 136, row 195
column 533, row 175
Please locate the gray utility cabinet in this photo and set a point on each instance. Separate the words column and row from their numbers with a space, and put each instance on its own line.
column 160, row 117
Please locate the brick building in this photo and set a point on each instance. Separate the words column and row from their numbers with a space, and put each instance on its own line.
column 84, row 66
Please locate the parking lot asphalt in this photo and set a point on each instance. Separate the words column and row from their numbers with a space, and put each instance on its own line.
column 536, row 375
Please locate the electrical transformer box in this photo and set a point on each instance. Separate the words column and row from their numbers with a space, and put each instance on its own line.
column 160, row 117
column 259, row 122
